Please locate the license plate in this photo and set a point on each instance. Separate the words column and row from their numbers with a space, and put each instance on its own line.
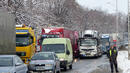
column 39, row 68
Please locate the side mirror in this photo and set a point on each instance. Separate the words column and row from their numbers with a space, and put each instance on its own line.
column 57, row 59
column 17, row 64
column 29, row 59
column 67, row 52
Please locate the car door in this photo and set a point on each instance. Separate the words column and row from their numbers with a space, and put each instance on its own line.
column 20, row 66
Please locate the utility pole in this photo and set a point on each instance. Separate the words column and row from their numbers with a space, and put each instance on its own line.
column 117, row 33
column 128, row 29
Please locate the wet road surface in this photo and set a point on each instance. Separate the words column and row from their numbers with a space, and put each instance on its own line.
column 91, row 65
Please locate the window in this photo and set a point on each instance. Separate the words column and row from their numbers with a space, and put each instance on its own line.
column 57, row 48
column 6, row 61
column 43, row 56
column 56, row 56
column 31, row 40
column 22, row 40
column 67, row 48
column 18, row 60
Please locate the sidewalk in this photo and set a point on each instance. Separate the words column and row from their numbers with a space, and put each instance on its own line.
column 123, row 62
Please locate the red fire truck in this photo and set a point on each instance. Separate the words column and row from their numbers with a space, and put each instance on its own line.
column 61, row 32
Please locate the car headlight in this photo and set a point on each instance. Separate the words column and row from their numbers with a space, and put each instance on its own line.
column 62, row 59
column 49, row 65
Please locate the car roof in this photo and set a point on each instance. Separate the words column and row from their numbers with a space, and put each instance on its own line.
column 47, row 52
column 55, row 41
column 7, row 55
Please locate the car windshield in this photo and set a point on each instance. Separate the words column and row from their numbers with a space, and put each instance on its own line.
column 57, row 48
column 6, row 61
column 22, row 41
column 88, row 42
column 43, row 56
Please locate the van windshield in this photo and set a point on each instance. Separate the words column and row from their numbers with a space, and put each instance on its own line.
column 57, row 48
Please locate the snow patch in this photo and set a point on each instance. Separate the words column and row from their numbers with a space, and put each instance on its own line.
column 123, row 61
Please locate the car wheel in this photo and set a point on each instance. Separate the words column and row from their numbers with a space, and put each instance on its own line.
column 70, row 67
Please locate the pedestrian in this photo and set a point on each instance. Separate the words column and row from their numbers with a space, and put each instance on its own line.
column 113, row 58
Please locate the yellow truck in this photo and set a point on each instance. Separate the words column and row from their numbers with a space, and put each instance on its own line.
column 25, row 42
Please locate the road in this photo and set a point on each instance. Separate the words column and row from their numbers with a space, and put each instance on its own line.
column 91, row 65
column 95, row 65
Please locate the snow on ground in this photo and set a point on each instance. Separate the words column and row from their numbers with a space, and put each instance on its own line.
column 123, row 61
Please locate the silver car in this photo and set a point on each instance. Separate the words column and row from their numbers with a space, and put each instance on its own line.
column 12, row 64
column 44, row 62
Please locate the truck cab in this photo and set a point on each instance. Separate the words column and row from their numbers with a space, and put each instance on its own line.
column 89, row 47
column 105, row 41
column 25, row 42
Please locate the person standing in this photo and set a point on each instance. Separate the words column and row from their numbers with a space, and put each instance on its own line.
column 113, row 58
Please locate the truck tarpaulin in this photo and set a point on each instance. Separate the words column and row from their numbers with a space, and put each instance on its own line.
column 7, row 33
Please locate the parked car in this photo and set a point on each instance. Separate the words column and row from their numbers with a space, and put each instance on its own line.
column 63, row 49
column 44, row 62
column 12, row 64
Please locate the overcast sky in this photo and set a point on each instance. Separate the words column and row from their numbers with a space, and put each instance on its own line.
column 107, row 5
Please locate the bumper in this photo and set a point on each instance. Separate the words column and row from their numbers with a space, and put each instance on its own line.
column 45, row 71
column 88, row 54
column 42, row 68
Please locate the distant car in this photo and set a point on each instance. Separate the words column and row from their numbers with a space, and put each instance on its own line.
column 12, row 64
column 44, row 62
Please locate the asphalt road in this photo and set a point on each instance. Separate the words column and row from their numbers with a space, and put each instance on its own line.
column 91, row 65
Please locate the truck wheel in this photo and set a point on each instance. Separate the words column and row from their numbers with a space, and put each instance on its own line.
column 58, row 72
column 65, row 68
column 70, row 67
column 29, row 72
column 55, row 71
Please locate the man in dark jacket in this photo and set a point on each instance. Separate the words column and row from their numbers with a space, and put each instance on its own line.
column 113, row 58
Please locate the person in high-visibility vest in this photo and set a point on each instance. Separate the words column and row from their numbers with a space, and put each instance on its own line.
column 113, row 58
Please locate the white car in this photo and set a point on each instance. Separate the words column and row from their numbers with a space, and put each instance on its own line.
column 12, row 64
